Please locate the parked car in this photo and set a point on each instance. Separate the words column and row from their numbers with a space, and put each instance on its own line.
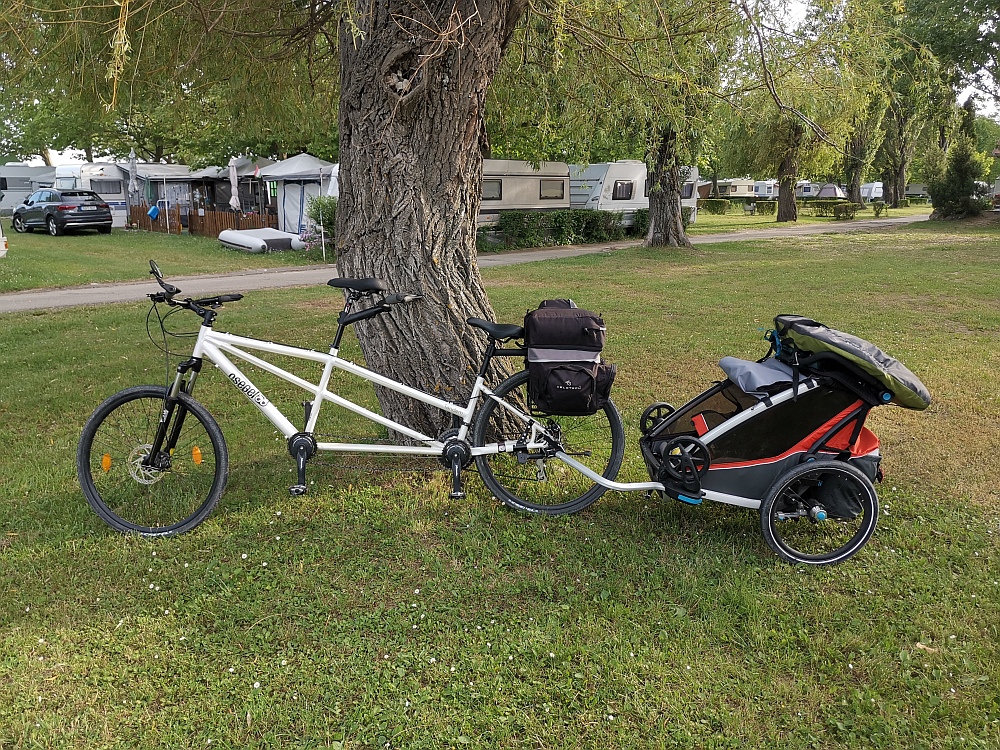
column 59, row 210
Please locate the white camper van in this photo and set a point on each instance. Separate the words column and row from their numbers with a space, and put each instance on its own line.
column 510, row 185
column 107, row 180
column 622, row 186
column 766, row 190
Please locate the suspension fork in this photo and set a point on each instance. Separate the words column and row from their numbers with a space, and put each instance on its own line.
column 163, row 442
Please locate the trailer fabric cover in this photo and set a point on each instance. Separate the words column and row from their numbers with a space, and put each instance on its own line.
column 799, row 333
column 757, row 378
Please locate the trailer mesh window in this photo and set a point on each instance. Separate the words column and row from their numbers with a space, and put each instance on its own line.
column 492, row 190
column 108, row 187
column 549, row 190
column 622, row 190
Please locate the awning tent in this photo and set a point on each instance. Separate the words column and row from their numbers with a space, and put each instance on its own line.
column 829, row 190
column 297, row 180
column 212, row 187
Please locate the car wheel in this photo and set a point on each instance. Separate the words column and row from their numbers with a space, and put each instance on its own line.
column 19, row 226
column 54, row 229
column 104, row 230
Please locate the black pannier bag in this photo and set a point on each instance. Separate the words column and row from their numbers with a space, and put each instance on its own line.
column 566, row 375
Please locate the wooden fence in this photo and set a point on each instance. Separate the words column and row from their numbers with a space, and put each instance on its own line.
column 167, row 220
column 207, row 225
column 213, row 222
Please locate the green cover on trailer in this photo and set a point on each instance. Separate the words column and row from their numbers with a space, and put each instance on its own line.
column 797, row 333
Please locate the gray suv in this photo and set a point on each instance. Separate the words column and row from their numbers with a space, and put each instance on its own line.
column 59, row 210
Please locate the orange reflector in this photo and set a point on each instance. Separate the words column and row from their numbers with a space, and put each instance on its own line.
column 196, row 455
column 106, row 462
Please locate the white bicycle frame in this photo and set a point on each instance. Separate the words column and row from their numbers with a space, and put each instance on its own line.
column 215, row 346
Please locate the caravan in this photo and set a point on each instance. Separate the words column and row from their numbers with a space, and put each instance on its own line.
column 510, row 185
column 107, row 180
column 623, row 186
column 871, row 191
column 17, row 182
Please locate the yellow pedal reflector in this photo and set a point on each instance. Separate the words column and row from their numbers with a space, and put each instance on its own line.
column 196, row 455
column 106, row 462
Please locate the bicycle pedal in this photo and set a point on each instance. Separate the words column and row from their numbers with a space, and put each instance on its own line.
column 456, row 495
column 297, row 490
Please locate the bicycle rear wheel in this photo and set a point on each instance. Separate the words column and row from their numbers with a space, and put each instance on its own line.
column 185, row 480
column 819, row 513
column 532, row 482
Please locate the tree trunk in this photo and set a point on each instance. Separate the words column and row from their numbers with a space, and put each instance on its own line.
column 854, row 163
column 666, row 220
column 788, row 174
column 413, row 89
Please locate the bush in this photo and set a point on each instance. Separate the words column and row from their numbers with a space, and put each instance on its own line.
column 913, row 202
column 715, row 206
column 953, row 191
column 879, row 207
column 517, row 229
column 827, row 207
column 640, row 221
column 521, row 228
column 845, row 210
column 767, row 208
column 686, row 212
column 322, row 211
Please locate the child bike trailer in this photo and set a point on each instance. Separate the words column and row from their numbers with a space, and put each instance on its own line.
column 786, row 435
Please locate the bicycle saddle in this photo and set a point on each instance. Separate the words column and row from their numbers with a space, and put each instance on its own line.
column 358, row 285
column 501, row 331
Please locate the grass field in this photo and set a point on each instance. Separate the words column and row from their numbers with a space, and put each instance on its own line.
column 376, row 612
column 38, row 261
column 736, row 219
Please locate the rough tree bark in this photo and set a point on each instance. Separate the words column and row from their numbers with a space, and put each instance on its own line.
column 666, row 222
column 854, row 164
column 788, row 173
column 413, row 89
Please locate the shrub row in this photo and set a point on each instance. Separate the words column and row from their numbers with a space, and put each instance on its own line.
column 846, row 210
column 767, row 208
column 715, row 206
column 516, row 229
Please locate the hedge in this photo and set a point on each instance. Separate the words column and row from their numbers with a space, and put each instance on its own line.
column 767, row 208
column 715, row 206
column 827, row 207
column 517, row 229
column 846, row 210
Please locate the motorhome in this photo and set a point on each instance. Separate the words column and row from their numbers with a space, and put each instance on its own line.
column 919, row 189
column 871, row 191
column 623, row 186
column 109, row 181
column 17, row 182
column 510, row 185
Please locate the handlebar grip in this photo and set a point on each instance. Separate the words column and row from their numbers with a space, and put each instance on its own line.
column 230, row 297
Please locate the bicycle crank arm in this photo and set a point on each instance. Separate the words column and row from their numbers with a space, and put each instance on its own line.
column 604, row 482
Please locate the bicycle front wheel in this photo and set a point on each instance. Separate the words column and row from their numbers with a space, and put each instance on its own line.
column 171, row 493
column 534, row 483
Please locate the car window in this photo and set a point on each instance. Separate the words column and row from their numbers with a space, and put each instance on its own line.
column 80, row 196
column 47, row 196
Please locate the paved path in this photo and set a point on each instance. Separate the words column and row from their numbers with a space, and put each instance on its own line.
column 273, row 278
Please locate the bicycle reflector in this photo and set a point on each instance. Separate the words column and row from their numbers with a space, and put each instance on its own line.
column 106, row 462
column 196, row 455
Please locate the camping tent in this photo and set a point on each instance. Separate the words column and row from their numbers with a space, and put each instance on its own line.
column 829, row 190
column 297, row 180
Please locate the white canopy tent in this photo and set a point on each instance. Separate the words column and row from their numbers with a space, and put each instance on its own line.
column 298, row 179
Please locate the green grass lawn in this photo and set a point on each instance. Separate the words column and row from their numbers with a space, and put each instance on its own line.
column 708, row 223
column 377, row 612
column 38, row 261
